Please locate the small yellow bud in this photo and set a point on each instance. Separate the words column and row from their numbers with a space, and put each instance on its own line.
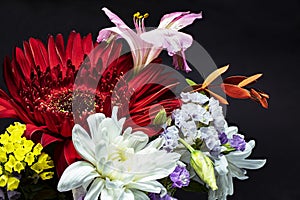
column 3, row 180
column 46, row 175
column 12, row 183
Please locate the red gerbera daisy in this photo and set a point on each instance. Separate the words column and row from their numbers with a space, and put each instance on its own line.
column 40, row 81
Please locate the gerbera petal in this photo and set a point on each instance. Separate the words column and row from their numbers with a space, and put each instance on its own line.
column 52, row 52
column 75, row 175
column 95, row 189
column 70, row 152
column 46, row 138
column 87, row 44
column 83, row 143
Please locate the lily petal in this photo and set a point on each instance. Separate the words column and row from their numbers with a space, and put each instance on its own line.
column 172, row 40
column 185, row 20
column 115, row 19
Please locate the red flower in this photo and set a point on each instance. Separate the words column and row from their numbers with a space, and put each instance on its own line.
column 41, row 79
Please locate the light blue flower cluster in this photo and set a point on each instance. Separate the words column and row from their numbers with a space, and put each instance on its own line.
column 200, row 122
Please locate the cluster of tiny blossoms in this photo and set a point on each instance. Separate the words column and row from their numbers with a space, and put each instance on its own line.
column 214, row 151
column 17, row 154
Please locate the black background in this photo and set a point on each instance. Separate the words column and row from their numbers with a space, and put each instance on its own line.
column 252, row 36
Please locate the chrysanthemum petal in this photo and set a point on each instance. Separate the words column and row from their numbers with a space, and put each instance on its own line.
column 83, row 143
column 95, row 189
column 75, row 175
column 93, row 122
column 149, row 186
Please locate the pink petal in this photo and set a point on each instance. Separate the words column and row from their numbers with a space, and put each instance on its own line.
column 179, row 62
column 172, row 40
column 168, row 18
column 115, row 19
column 176, row 22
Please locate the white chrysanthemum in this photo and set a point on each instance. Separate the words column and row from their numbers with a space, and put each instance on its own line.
column 116, row 166
column 233, row 165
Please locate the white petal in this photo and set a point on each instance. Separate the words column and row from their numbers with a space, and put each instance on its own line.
column 153, row 146
column 138, row 195
column 249, row 163
column 95, row 189
column 111, row 194
column 137, row 140
column 127, row 194
column 83, row 143
column 101, row 151
column 76, row 175
column 149, row 186
column 94, row 121
column 110, row 129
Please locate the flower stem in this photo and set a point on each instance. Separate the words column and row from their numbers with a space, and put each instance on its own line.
column 189, row 147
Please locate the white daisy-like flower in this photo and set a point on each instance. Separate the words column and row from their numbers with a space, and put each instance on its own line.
column 116, row 165
column 233, row 165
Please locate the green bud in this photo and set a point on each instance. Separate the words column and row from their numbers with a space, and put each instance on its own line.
column 160, row 118
column 203, row 166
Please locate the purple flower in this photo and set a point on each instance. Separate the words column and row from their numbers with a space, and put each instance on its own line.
column 180, row 177
column 237, row 142
column 154, row 196
column 223, row 138
column 13, row 195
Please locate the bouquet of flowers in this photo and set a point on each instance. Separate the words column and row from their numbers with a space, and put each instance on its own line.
column 95, row 121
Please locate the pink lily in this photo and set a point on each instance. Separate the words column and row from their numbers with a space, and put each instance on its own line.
column 147, row 45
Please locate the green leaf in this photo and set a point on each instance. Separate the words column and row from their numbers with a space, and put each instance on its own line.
column 195, row 186
column 190, row 82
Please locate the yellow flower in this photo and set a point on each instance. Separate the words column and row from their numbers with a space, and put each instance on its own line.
column 46, row 175
column 37, row 167
column 37, row 149
column 10, row 164
column 9, row 147
column 20, row 154
column 44, row 162
column 29, row 158
column 4, row 138
column 3, row 180
column 28, row 144
column 1, row 170
column 12, row 183
column 18, row 167
column 3, row 155
column 16, row 131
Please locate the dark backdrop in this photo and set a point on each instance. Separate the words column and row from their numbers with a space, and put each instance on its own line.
column 253, row 36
